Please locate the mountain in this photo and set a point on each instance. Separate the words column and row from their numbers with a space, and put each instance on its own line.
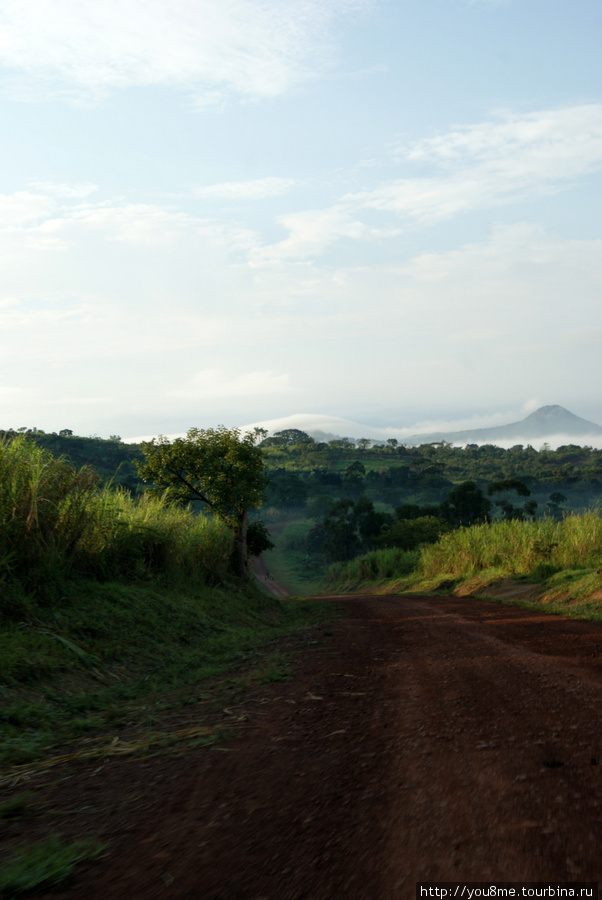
column 547, row 423
column 553, row 425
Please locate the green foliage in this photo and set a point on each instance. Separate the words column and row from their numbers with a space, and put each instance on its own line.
column 16, row 806
column 517, row 547
column 376, row 566
column 217, row 467
column 466, row 505
column 138, row 642
column 55, row 524
column 47, row 863
column 258, row 539
column 509, row 510
column 408, row 534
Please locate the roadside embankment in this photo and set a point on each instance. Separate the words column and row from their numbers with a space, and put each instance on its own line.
column 556, row 565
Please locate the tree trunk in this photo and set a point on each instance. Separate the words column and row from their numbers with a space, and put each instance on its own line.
column 240, row 558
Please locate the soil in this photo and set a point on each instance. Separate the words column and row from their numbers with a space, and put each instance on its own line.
column 426, row 739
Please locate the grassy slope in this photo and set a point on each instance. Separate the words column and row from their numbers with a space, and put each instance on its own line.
column 550, row 565
column 115, row 652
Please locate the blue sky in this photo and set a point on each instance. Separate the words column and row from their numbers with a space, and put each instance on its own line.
column 238, row 211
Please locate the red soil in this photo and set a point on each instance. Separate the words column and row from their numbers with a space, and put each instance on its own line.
column 427, row 739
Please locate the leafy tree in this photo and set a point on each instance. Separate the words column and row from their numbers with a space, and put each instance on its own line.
column 554, row 507
column 466, row 504
column 369, row 522
column 260, row 434
column 218, row 467
column 506, row 504
column 258, row 538
column 319, row 507
column 341, row 541
column 286, row 488
column 353, row 479
column 414, row 511
column 407, row 534
column 291, row 436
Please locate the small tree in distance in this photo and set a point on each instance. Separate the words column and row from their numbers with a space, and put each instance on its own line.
column 217, row 467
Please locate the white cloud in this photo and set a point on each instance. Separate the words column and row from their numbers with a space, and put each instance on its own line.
column 257, row 189
column 313, row 231
column 23, row 208
column 254, row 48
column 216, row 384
column 68, row 191
column 493, row 163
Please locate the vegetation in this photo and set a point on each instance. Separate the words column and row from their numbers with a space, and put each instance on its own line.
column 562, row 558
column 218, row 468
column 115, row 607
column 57, row 524
column 45, row 864
column 350, row 498
column 517, row 547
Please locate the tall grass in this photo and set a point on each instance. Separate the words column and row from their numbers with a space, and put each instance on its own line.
column 539, row 549
column 517, row 548
column 377, row 565
column 55, row 522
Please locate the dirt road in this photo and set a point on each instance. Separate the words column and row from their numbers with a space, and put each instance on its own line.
column 427, row 739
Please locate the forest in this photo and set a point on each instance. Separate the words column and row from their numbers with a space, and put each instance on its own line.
column 348, row 497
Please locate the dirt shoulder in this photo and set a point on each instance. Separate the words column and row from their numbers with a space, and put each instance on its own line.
column 427, row 739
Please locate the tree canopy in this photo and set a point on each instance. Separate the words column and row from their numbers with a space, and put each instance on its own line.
column 218, row 467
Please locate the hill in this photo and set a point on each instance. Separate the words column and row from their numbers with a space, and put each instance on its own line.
column 549, row 423
column 554, row 425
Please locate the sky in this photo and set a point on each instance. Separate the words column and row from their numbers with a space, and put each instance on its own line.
column 232, row 211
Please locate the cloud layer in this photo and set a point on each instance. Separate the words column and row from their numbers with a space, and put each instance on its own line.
column 252, row 48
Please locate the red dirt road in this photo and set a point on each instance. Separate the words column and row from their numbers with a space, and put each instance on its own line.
column 427, row 739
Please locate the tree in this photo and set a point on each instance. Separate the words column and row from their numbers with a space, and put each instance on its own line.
column 260, row 434
column 408, row 534
column 341, row 541
column 217, row 467
column 466, row 504
column 292, row 436
column 509, row 486
column 554, row 507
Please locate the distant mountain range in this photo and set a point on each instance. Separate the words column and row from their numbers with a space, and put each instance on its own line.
column 546, row 422
column 549, row 424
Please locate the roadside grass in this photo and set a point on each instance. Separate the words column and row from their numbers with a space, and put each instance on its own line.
column 122, row 631
column 46, row 863
column 115, row 653
column 376, row 566
column 291, row 564
column 560, row 560
column 57, row 524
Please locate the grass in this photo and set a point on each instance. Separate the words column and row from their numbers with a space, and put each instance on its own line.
column 561, row 559
column 376, row 566
column 110, row 604
column 46, row 863
column 58, row 524
column 16, row 806
column 112, row 652
column 115, row 611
